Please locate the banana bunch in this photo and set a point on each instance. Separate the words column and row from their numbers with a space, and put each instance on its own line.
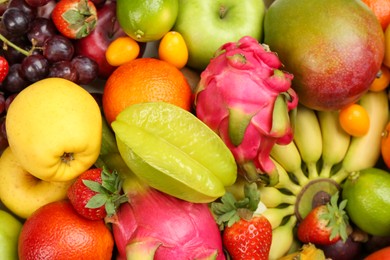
column 312, row 167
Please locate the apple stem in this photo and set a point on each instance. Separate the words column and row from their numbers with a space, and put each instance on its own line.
column 9, row 43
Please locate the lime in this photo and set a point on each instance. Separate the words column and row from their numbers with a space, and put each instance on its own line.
column 146, row 21
column 173, row 151
column 368, row 195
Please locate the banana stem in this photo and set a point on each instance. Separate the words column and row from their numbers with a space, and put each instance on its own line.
column 300, row 176
column 340, row 175
column 312, row 169
column 325, row 170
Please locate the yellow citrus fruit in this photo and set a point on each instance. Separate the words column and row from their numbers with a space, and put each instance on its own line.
column 145, row 80
column 146, row 21
column 354, row 119
column 121, row 50
column 173, row 49
column 368, row 195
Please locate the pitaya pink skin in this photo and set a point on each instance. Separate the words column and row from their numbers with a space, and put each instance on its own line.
column 154, row 225
column 244, row 78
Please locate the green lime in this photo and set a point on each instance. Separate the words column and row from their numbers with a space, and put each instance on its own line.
column 146, row 21
column 173, row 151
column 368, row 195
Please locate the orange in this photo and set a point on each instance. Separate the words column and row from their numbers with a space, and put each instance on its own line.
column 381, row 9
column 382, row 80
column 385, row 145
column 57, row 231
column 145, row 80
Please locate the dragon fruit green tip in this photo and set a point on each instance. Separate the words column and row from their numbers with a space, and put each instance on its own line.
column 246, row 98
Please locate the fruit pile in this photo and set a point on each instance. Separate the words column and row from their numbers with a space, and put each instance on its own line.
column 194, row 129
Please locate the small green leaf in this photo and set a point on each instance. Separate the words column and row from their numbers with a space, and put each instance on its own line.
column 96, row 201
column 93, row 185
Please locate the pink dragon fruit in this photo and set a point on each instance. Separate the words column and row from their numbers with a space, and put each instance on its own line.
column 246, row 99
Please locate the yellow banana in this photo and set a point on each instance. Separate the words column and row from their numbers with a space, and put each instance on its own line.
column 289, row 158
column 282, row 239
column 364, row 151
column 276, row 215
column 308, row 138
column 272, row 197
column 335, row 141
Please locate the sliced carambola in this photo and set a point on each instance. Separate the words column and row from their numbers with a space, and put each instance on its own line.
column 173, row 151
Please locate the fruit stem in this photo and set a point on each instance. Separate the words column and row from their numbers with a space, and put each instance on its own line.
column 312, row 169
column 325, row 171
column 301, row 177
column 340, row 175
column 9, row 43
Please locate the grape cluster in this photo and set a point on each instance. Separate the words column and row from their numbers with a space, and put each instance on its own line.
column 36, row 50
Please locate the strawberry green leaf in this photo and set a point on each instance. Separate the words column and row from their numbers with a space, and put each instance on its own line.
column 93, row 185
column 96, row 201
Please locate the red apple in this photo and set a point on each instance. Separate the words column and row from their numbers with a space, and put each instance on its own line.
column 95, row 44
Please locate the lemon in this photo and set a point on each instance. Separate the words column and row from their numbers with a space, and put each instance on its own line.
column 368, row 195
column 149, row 20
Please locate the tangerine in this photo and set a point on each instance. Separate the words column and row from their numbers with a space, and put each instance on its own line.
column 381, row 9
column 57, row 231
column 145, row 80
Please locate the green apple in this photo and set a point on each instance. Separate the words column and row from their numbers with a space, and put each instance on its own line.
column 10, row 228
column 206, row 25
column 21, row 192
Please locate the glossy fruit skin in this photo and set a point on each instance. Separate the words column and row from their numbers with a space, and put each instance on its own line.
column 354, row 119
column 79, row 195
column 9, row 232
column 21, row 192
column 71, row 26
column 144, row 79
column 56, row 231
column 138, row 18
column 65, row 129
column 381, row 254
column 173, row 49
column 314, row 230
column 122, row 50
column 4, row 68
column 95, row 44
column 368, row 207
column 382, row 81
column 248, row 239
column 332, row 65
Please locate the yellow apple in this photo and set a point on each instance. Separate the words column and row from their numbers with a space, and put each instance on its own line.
column 23, row 193
column 54, row 128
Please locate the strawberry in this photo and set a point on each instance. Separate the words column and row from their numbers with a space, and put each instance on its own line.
column 95, row 194
column 4, row 68
column 75, row 19
column 246, row 233
column 325, row 224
